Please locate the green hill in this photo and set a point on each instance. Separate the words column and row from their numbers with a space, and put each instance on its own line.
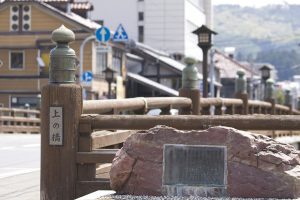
column 268, row 34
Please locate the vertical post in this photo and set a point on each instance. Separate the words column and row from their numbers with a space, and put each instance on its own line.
column 60, row 114
column 190, row 86
column 204, row 70
column 269, row 95
column 212, row 74
column 288, row 101
column 109, row 90
column 241, row 91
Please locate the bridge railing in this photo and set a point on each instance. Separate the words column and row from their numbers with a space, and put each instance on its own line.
column 79, row 138
column 136, row 105
column 14, row 120
column 98, row 146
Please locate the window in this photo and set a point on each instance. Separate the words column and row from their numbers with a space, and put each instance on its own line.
column 141, row 16
column 117, row 61
column 16, row 59
column 101, row 62
column 141, row 33
column 20, row 18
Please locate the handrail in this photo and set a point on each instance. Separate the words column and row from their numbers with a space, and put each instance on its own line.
column 192, row 122
column 17, row 110
column 132, row 104
column 282, row 107
column 204, row 102
column 259, row 103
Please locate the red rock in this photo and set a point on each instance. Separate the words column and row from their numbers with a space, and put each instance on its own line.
column 258, row 166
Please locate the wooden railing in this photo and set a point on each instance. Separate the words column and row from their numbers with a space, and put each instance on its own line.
column 19, row 121
column 97, row 129
column 97, row 146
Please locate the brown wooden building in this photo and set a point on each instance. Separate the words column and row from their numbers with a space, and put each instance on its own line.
column 25, row 43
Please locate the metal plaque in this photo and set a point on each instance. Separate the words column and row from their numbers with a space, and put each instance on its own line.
column 56, row 126
column 195, row 165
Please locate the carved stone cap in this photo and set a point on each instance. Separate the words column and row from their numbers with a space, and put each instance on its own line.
column 240, row 73
column 63, row 35
column 270, row 81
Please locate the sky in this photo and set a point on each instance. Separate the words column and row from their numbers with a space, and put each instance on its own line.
column 255, row 3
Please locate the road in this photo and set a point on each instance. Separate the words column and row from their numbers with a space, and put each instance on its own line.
column 19, row 166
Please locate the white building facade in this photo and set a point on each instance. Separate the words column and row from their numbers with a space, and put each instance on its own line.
column 162, row 24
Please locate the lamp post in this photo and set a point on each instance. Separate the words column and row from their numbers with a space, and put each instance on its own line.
column 265, row 75
column 109, row 77
column 205, row 43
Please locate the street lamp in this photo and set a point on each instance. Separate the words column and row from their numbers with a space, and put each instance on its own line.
column 205, row 43
column 109, row 77
column 265, row 75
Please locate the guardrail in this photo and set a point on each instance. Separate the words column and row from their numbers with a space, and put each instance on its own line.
column 19, row 120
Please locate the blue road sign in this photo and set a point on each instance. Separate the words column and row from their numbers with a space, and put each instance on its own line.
column 120, row 34
column 87, row 76
column 103, row 34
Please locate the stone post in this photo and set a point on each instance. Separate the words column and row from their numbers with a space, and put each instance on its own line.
column 60, row 114
column 269, row 94
column 288, row 100
column 241, row 91
column 190, row 87
column 298, row 104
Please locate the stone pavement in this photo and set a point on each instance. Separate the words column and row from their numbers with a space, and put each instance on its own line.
column 21, row 187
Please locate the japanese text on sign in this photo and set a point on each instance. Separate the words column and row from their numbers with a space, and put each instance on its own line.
column 56, row 126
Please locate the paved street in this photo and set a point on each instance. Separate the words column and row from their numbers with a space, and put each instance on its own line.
column 19, row 166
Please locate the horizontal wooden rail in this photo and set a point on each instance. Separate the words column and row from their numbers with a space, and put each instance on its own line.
column 118, row 105
column 19, row 129
column 16, row 110
column 282, row 107
column 96, row 156
column 259, row 103
column 19, row 119
column 102, row 139
column 188, row 122
column 204, row 102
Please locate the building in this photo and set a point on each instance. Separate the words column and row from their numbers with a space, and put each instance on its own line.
column 151, row 72
column 165, row 25
column 229, row 67
column 25, row 44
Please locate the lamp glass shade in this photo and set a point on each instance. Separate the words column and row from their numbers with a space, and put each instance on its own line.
column 204, row 38
column 109, row 76
column 265, row 73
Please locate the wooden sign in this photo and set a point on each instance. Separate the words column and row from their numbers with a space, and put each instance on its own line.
column 56, row 130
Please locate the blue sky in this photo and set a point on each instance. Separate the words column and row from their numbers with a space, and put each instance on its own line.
column 255, row 3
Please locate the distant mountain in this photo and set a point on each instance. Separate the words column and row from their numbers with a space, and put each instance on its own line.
column 268, row 34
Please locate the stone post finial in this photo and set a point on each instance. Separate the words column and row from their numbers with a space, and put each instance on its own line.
column 62, row 57
column 190, row 79
column 240, row 83
column 269, row 91
column 287, row 97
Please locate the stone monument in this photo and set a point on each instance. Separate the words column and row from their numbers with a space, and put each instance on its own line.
column 219, row 161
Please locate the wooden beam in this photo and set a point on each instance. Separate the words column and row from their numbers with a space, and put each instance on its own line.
column 96, row 156
column 102, row 139
column 189, row 122
column 107, row 106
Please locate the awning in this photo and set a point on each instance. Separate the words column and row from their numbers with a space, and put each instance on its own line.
column 152, row 84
